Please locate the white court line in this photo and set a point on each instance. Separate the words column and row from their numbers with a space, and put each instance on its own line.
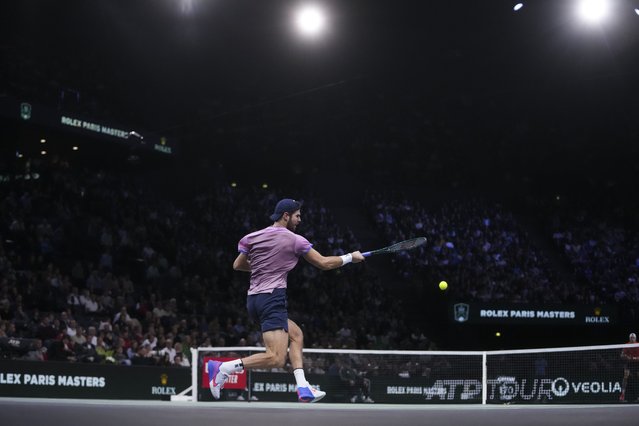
column 243, row 405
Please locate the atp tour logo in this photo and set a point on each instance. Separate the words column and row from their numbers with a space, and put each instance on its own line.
column 461, row 312
column 510, row 388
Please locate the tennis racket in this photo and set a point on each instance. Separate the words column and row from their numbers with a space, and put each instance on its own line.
column 403, row 245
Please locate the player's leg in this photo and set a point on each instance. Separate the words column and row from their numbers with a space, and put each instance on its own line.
column 269, row 309
column 296, row 345
column 624, row 384
column 366, row 390
column 305, row 392
column 276, row 343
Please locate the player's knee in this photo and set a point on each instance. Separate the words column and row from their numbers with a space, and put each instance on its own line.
column 296, row 335
column 278, row 360
column 281, row 361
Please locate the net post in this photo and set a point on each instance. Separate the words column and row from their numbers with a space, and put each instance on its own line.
column 249, row 382
column 194, row 368
column 484, row 378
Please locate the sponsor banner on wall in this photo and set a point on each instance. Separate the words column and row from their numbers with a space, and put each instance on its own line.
column 500, row 313
column 586, row 389
column 28, row 112
column 393, row 390
column 422, row 390
column 281, row 387
column 92, row 381
column 235, row 381
column 263, row 386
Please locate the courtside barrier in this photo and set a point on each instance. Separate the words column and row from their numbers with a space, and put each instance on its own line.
column 51, row 379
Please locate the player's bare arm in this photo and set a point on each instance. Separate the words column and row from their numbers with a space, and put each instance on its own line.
column 242, row 263
column 326, row 263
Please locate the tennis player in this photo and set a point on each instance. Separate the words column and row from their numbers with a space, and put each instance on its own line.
column 630, row 368
column 269, row 255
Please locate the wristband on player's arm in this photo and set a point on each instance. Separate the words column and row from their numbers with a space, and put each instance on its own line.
column 347, row 258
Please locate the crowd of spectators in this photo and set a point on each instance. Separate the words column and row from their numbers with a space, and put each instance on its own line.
column 477, row 246
column 604, row 257
column 489, row 255
column 96, row 269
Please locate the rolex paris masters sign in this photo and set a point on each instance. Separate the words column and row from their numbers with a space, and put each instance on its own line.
column 531, row 314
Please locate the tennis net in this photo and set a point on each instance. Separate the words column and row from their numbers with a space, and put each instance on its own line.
column 587, row 374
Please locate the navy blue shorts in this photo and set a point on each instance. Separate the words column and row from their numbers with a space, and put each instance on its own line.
column 269, row 309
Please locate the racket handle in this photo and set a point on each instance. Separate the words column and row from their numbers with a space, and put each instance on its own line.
column 367, row 253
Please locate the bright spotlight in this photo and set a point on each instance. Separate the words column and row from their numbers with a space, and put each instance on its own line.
column 310, row 20
column 593, row 11
column 518, row 6
column 187, row 6
column 637, row 11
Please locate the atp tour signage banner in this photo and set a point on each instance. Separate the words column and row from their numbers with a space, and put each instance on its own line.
column 451, row 388
column 500, row 390
column 91, row 381
column 499, row 313
column 593, row 388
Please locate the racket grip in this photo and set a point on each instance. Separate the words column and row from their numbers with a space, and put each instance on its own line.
column 366, row 254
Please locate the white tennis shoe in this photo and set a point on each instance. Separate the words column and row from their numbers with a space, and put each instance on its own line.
column 217, row 378
column 309, row 394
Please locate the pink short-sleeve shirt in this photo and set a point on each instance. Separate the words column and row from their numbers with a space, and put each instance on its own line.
column 272, row 252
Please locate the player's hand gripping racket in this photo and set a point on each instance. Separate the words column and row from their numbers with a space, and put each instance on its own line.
column 403, row 245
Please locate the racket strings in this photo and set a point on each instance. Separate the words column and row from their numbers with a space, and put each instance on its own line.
column 409, row 244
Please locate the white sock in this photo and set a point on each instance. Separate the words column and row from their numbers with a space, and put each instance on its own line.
column 300, row 378
column 231, row 367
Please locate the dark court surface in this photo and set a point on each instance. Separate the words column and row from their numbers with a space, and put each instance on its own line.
column 18, row 412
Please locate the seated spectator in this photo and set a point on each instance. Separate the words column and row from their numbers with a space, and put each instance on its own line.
column 62, row 350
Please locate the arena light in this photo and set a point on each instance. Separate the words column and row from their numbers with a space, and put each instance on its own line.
column 43, row 141
column 75, row 148
column 518, row 7
column 593, row 11
column 187, row 6
column 310, row 20
column 637, row 11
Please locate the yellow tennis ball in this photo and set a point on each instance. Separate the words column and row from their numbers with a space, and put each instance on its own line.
column 443, row 285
